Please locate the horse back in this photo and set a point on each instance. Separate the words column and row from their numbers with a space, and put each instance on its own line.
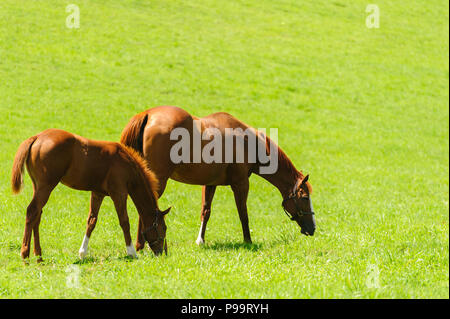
column 92, row 166
column 222, row 120
column 77, row 162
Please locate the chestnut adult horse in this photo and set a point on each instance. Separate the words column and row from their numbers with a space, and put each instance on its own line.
column 150, row 133
column 104, row 168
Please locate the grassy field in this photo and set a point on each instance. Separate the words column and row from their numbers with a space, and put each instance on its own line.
column 363, row 111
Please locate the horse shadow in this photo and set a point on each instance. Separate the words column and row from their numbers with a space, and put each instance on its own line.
column 95, row 260
column 222, row 246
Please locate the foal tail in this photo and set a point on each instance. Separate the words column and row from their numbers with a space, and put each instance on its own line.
column 19, row 162
column 132, row 134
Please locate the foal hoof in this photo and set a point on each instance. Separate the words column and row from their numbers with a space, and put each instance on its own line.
column 200, row 241
column 82, row 253
column 131, row 252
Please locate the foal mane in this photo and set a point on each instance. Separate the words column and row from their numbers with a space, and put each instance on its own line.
column 142, row 169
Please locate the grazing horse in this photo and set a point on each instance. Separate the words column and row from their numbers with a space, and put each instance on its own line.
column 104, row 168
column 149, row 133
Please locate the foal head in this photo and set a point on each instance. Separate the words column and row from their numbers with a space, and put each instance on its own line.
column 155, row 235
column 297, row 205
column 144, row 191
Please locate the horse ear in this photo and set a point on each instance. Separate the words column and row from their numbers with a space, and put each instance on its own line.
column 305, row 179
column 166, row 211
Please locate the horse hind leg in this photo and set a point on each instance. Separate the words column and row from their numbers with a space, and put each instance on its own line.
column 34, row 210
column 37, row 244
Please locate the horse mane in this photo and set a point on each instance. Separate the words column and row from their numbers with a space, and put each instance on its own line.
column 285, row 163
column 141, row 168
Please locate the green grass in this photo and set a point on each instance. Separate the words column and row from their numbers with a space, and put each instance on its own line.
column 363, row 111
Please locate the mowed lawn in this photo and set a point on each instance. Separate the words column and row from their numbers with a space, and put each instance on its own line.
column 363, row 111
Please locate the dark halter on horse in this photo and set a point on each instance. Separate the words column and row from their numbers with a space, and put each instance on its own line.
column 293, row 196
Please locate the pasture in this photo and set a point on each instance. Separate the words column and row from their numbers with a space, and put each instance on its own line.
column 363, row 110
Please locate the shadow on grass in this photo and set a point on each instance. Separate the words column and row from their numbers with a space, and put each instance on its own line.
column 86, row 260
column 232, row 246
column 94, row 260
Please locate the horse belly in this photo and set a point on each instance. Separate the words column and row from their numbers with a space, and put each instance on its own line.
column 79, row 180
column 87, row 175
column 200, row 174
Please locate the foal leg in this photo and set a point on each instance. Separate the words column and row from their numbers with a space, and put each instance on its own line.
column 37, row 244
column 120, row 203
column 207, row 197
column 140, row 241
column 240, row 192
column 96, row 202
column 34, row 210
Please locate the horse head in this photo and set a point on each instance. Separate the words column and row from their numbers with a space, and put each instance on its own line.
column 297, row 205
column 155, row 234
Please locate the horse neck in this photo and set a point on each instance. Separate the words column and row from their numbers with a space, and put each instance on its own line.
column 286, row 175
column 282, row 181
column 142, row 195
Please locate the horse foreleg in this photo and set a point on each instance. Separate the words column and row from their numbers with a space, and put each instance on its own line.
column 240, row 192
column 96, row 202
column 140, row 241
column 207, row 197
column 120, row 203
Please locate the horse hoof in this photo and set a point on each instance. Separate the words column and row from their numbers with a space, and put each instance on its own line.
column 82, row 253
column 131, row 252
column 200, row 241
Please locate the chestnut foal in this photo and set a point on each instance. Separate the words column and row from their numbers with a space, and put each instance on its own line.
column 104, row 168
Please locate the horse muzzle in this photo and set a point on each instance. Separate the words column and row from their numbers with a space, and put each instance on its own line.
column 308, row 232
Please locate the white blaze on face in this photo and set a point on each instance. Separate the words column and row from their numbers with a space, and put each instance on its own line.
column 312, row 210
column 84, row 247
column 310, row 204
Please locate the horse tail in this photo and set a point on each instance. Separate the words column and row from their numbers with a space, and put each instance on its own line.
column 132, row 134
column 19, row 162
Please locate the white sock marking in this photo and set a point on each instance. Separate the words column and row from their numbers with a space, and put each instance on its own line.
column 131, row 251
column 84, row 247
column 200, row 240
